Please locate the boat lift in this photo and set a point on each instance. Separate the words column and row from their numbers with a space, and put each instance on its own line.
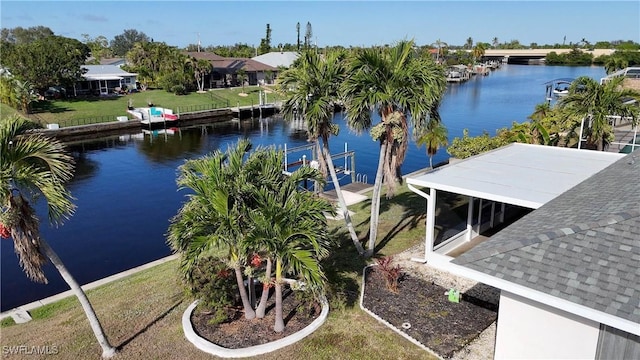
column 348, row 155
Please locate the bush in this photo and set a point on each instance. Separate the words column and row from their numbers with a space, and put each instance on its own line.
column 179, row 90
column 467, row 146
column 213, row 282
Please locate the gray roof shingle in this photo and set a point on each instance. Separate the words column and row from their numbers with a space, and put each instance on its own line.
column 583, row 246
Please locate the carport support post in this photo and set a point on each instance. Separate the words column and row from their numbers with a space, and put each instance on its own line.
column 431, row 216
column 469, row 234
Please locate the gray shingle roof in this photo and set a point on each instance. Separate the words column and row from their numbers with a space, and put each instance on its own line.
column 583, row 246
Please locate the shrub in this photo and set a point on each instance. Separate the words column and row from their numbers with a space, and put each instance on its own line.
column 467, row 146
column 390, row 272
column 179, row 90
column 213, row 282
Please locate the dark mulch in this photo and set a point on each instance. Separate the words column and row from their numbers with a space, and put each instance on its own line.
column 443, row 326
column 241, row 333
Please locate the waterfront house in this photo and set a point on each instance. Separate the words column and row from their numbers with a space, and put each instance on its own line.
column 568, row 270
column 225, row 70
column 104, row 80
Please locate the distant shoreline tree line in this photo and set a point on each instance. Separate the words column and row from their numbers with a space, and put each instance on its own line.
column 37, row 59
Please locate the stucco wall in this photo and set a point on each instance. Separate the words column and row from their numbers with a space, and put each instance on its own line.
column 531, row 330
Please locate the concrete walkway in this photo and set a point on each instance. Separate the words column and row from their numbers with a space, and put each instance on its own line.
column 95, row 284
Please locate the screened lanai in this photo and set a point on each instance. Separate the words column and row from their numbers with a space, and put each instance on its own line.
column 521, row 175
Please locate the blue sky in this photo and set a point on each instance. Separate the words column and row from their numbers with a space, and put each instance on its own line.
column 356, row 23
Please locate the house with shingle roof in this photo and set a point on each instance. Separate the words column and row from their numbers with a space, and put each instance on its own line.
column 568, row 271
column 225, row 70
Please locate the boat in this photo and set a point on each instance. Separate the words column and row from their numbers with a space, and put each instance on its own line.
column 458, row 73
column 481, row 69
column 558, row 87
column 561, row 90
column 153, row 115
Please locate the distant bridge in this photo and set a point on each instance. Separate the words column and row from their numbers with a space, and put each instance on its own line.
column 524, row 55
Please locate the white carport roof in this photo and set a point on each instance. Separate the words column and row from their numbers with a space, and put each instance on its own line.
column 517, row 174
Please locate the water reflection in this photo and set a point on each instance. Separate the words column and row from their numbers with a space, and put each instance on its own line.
column 164, row 146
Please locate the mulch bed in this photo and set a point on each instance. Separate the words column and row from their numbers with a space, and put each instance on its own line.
column 241, row 333
column 443, row 326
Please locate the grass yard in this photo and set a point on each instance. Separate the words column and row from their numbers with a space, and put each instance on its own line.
column 77, row 111
column 7, row 111
column 141, row 313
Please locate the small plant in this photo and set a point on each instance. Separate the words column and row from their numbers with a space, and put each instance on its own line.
column 308, row 304
column 390, row 272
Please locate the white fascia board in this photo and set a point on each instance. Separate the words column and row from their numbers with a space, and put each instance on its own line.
column 476, row 194
column 543, row 298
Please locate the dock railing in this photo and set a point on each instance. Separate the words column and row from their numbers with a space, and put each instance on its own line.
column 202, row 107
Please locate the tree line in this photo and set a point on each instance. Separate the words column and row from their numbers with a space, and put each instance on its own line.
column 37, row 59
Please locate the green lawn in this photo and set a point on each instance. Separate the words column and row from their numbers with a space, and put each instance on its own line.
column 141, row 313
column 75, row 111
column 7, row 111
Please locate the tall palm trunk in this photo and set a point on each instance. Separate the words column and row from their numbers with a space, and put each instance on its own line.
column 107, row 350
column 341, row 202
column 249, row 313
column 279, row 324
column 375, row 200
column 262, row 305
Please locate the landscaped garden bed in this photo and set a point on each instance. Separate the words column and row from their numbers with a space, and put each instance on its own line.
column 421, row 310
column 239, row 332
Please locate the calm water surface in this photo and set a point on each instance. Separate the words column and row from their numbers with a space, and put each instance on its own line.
column 126, row 192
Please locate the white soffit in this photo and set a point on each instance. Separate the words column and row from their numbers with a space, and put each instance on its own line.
column 518, row 174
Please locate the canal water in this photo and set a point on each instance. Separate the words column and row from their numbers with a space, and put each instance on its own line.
column 126, row 193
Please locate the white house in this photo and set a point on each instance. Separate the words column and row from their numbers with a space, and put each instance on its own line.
column 569, row 270
column 104, row 80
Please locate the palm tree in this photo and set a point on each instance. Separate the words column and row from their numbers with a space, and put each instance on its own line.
column 291, row 224
column 615, row 63
column 214, row 218
column 399, row 87
column 495, row 42
column 440, row 45
column 435, row 135
column 596, row 103
column 201, row 68
column 478, row 51
column 469, row 43
column 314, row 85
column 242, row 77
column 32, row 164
